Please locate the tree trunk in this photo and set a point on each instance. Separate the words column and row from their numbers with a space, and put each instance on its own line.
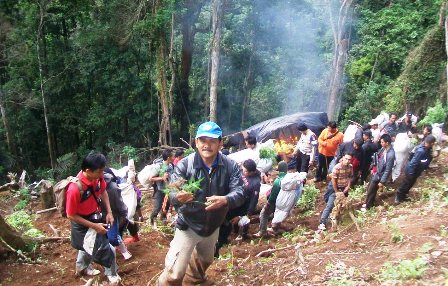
column 216, row 42
column 173, row 73
column 193, row 9
column 38, row 39
column 341, row 38
column 11, row 147
column 47, row 198
column 248, row 82
column 10, row 236
column 165, row 129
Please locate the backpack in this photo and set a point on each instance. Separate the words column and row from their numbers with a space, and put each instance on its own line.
column 60, row 193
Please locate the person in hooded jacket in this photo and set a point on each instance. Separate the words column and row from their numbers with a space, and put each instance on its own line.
column 420, row 161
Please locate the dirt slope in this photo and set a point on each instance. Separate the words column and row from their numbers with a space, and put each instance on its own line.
column 346, row 257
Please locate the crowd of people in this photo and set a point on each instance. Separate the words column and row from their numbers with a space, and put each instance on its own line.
column 227, row 194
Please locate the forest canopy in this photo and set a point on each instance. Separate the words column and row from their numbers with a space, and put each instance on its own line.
column 121, row 76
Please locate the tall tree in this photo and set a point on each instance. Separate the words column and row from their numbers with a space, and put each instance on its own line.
column 217, row 15
column 340, row 25
column 39, row 37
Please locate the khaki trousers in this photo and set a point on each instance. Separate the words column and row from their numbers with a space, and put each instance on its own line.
column 188, row 258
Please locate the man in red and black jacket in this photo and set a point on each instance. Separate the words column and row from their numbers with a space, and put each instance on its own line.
column 89, row 209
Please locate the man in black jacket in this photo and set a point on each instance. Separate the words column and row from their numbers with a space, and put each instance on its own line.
column 200, row 214
column 382, row 169
column 420, row 161
column 369, row 148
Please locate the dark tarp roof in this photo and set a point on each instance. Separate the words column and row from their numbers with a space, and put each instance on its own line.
column 284, row 126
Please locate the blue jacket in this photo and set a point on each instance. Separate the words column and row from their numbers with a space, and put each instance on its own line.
column 419, row 162
column 224, row 180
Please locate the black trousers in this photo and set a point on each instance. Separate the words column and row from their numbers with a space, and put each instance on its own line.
column 372, row 189
column 407, row 184
column 322, row 167
column 158, row 202
column 303, row 162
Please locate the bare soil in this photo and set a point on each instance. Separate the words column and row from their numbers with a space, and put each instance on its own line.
column 346, row 254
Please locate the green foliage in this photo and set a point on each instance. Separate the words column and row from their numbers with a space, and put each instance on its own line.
column 267, row 153
column 308, row 199
column 358, row 193
column 130, row 152
column 396, row 236
column 405, row 270
column 385, row 71
column 20, row 220
column 190, row 186
column 427, row 247
column 21, row 205
column 188, row 152
column 435, row 114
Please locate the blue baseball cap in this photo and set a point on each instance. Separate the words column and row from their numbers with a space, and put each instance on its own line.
column 209, row 129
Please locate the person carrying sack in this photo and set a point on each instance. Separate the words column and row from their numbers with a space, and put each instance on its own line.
column 88, row 224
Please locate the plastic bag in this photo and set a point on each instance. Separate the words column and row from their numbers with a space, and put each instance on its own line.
column 147, row 173
column 129, row 197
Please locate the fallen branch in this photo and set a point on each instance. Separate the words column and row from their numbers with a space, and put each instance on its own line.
column 19, row 253
column 51, row 239
column 46, row 210
column 56, row 231
column 9, row 186
column 182, row 139
column 149, row 282
column 269, row 251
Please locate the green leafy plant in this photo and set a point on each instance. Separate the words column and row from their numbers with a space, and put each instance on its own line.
column 20, row 220
column 21, row 205
column 308, row 199
column 396, row 234
column 405, row 270
column 435, row 114
column 130, row 152
column 188, row 152
column 267, row 153
column 358, row 193
column 427, row 247
column 190, row 186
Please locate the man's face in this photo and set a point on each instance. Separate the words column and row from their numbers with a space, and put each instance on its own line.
column 356, row 146
column 331, row 130
column 426, row 131
column 346, row 160
column 383, row 143
column 429, row 145
column 250, row 146
column 208, row 147
column 365, row 137
column 93, row 175
column 393, row 118
column 374, row 126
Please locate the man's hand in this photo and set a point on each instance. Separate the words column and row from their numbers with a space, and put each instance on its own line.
column 311, row 163
column 346, row 190
column 110, row 218
column 216, row 202
column 184, row 197
column 165, row 177
column 235, row 220
column 99, row 228
column 380, row 185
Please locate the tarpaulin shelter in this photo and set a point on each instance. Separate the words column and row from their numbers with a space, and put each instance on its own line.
column 280, row 127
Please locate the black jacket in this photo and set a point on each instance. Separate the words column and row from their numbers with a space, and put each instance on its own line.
column 223, row 180
column 419, row 162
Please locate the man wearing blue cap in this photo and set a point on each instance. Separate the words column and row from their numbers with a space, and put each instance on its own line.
column 200, row 214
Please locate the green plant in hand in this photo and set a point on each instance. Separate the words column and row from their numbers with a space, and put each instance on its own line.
column 190, row 186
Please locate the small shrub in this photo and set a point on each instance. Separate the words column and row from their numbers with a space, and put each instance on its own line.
column 436, row 114
column 427, row 247
column 308, row 199
column 357, row 193
column 20, row 220
column 396, row 234
column 21, row 205
column 188, row 152
column 405, row 270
